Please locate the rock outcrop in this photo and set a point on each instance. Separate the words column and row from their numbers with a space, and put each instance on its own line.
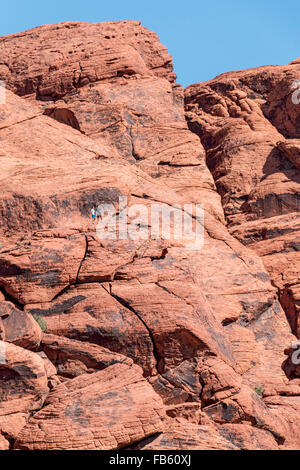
column 104, row 410
column 133, row 342
column 248, row 122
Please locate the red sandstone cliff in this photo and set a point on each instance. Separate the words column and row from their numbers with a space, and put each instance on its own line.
column 145, row 338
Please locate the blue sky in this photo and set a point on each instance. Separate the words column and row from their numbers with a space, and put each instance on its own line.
column 205, row 38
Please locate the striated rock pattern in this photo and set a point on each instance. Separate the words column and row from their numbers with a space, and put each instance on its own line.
column 248, row 122
column 103, row 410
column 146, row 343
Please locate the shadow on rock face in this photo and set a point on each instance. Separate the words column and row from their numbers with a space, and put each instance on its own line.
column 64, row 115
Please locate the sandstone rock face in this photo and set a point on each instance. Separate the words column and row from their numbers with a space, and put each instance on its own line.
column 248, row 122
column 188, row 436
column 96, row 51
column 23, row 387
column 4, row 444
column 18, row 327
column 104, row 410
column 144, row 342
column 73, row 358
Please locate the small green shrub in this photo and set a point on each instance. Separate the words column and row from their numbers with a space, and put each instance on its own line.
column 259, row 390
column 43, row 325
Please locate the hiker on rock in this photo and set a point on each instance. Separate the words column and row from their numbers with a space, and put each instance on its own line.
column 99, row 213
column 93, row 212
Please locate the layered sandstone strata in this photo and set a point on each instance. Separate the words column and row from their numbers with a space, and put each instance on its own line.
column 182, row 348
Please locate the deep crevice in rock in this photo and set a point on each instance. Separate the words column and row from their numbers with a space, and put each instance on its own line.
column 65, row 116
column 83, row 259
column 159, row 359
column 10, row 298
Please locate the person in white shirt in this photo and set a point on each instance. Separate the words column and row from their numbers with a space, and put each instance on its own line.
column 93, row 212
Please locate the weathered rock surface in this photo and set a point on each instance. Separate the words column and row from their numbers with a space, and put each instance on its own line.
column 248, row 122
column 85, row 53
column 4, row 444
column 182, row 435
column 73, row 358
column 246, row 437
column 23, row 387
column 188, row 436
column 105, row 410
column 18, row 327
column 147, row 343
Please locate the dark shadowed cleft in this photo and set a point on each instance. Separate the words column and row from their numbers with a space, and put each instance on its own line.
column 60, row 308
column 7, row 270
column 99, row 196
